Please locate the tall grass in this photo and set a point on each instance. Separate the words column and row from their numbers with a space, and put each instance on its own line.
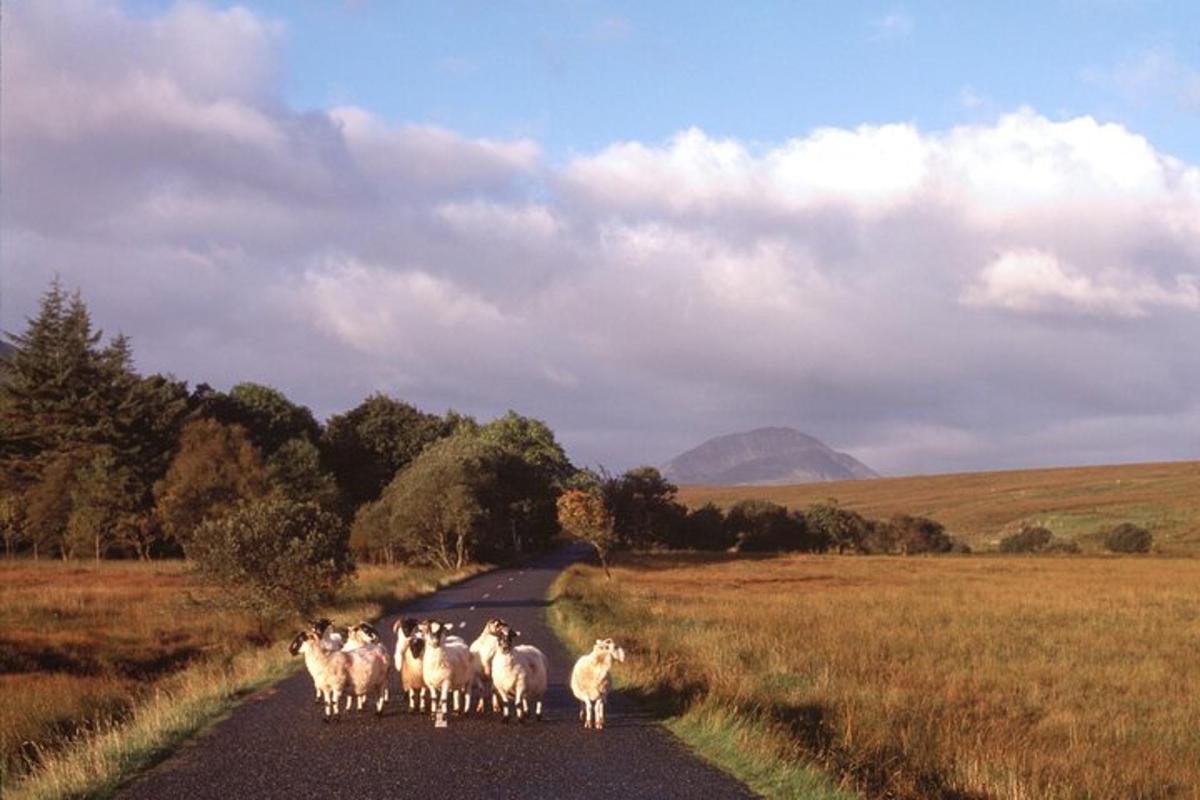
column 105, row 668
column 921, row 678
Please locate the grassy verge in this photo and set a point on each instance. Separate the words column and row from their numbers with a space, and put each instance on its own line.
column 914, row 678
column 750, row 747
column 91, row 756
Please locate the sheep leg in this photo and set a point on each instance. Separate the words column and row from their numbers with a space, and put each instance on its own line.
column 587, row 705
column 600, row 714
column 467, row 701
column 519, row 703
column 538, row 706
column 379, row 703
column 445, row 704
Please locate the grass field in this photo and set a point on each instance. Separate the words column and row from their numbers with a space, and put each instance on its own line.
column 105, row 667
column 980, row 507
column 950, row 677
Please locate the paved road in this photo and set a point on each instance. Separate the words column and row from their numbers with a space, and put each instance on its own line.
column 275, row 745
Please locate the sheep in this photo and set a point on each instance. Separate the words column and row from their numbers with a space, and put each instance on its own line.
column 446, row 666
column 482, row 650
column 362, row 640
column 519, row 674
column 410, row 650
column 330, row 641
column 590, row 681
column 329, row 670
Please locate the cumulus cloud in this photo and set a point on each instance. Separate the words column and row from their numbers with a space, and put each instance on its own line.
column 1019, row 291
column 1034, row 281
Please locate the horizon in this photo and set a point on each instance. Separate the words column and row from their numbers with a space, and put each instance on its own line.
column 941, row 240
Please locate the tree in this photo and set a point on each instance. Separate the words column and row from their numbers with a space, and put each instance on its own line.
column 48, row 505
column 584, row 516
column 12, row 521
column 269, row 418
column 762, row 526
column 704, row 529
column 295, row 471
column 58, row 388
column 533, row 441
column 837, row 526
column 274, row 555
column 102, row 503
column 643, row 508
column 914, row 535
column 1128, row 538
column 437, row 503
column 367, row 446
column 215, row 469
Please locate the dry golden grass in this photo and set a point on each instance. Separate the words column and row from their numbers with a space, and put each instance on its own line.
column 926, row 677
column 89, row 653
column 981, row 507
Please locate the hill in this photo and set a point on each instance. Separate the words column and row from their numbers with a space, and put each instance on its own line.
column 764, row 457
column 981, row 507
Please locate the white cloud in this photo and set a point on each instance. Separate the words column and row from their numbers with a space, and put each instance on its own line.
column 930, row 300
column 1035, row 281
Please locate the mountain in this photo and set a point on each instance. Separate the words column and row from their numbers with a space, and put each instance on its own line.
column 764, row 457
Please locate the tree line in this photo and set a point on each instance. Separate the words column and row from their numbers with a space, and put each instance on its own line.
column 98, row 460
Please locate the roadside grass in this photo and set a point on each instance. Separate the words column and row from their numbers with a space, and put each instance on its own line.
column 751, row 748
column 943, row 677
column 105, row 669
column 981, row 507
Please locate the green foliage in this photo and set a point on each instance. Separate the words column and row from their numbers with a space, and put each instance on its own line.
column 274, row 555
column 533, row 441
column 102, row 503
column 1128, row 538
column 762, row 526
column 1036, row 539
column 462, row 499
column 643, row 508
column 365, row 447
column 704, row 529
column 269, row 418
column 216, row 468
column 295, row 471
column 837, row 527
column 12, row 521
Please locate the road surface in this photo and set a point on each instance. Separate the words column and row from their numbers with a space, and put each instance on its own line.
column 276, row 746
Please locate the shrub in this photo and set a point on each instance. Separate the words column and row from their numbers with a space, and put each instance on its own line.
column 1128, row 538
column 1036, row 539
column 274, row 555
column 1030, row 539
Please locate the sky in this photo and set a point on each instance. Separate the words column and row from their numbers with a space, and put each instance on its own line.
column 938, row 236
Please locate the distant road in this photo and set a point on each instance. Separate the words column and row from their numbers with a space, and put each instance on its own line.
column 275, row 745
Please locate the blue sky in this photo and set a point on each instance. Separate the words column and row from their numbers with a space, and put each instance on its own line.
column 939, row 236
column 578, row 75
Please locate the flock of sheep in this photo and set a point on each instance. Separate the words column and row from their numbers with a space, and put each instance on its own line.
column 438, row 668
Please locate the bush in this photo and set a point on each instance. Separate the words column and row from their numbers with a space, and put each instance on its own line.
column 1036, row 539
column 274, row 555
column 760, row 526
column 1128, row 538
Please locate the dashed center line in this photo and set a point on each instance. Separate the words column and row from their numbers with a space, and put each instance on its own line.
column 486, row 595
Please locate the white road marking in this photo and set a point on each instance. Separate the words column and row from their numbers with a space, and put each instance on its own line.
column 486, row 595
column 472, row 608
column 499, row 585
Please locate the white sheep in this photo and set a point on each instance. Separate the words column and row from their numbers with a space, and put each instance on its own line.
column 331, row 640
column 482, row 651
column 409, row 661
column 590, row 680
column 519, row 674
column 446, row 666
column 329, row 670
column 370, row 665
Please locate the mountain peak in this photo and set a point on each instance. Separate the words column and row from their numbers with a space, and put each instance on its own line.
column 764, row 456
